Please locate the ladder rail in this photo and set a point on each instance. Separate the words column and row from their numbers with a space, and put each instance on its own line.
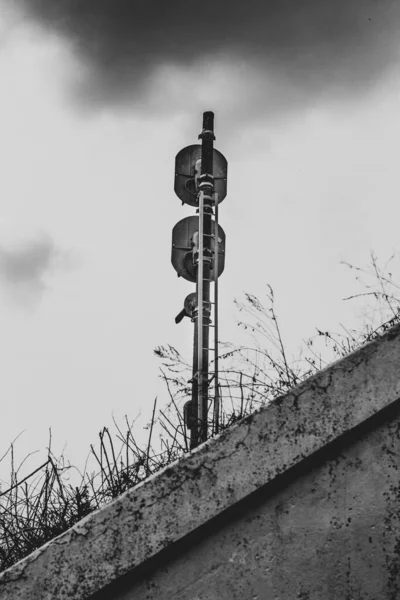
column 216, row 254
column 200, row 311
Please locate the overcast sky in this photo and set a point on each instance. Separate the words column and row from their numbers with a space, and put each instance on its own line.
column 97, row 97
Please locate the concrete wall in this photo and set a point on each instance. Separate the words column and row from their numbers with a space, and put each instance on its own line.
column 299, row 500
column 329, row 530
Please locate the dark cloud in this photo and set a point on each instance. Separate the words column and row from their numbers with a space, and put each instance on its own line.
column 342, row 45
column 24, row 267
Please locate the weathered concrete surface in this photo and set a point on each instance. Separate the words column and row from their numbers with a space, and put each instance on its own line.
column 327, row 531
column 187, row 495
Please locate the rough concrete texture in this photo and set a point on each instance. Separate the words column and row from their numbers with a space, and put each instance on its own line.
column 327, row 531
column 185, row 496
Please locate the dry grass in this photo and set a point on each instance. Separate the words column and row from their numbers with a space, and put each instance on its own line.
column 36, row 508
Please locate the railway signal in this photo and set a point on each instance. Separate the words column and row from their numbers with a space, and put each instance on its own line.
column 198, row 255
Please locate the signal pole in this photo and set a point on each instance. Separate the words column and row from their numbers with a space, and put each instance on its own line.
column 198, row 255
column 206, row 200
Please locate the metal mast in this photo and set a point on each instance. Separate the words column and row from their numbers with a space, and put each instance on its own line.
column 198, row 255
column 206, row 200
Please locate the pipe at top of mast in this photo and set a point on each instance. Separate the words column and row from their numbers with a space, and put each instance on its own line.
column 207, row 137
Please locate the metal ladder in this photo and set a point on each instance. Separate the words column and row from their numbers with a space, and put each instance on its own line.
column 212, row 314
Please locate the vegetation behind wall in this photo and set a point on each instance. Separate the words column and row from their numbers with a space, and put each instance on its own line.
column 36, row 508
